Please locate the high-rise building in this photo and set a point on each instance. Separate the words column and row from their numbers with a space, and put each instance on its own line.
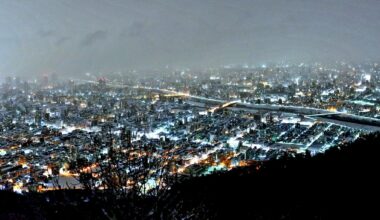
column 126, row 137
column 45, row 80
column 38, row 118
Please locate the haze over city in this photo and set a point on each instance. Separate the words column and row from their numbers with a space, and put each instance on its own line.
column 189, row 109
column 70, row 37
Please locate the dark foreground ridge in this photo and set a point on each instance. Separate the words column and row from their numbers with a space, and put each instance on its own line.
column 341, row 183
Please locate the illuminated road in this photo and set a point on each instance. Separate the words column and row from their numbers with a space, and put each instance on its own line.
column 225, row 105
column 342, row 118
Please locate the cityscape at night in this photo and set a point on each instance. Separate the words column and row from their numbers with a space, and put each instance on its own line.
column 189, row 110
column 201, row 122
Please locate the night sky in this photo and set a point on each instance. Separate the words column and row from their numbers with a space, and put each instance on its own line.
column 76, row 36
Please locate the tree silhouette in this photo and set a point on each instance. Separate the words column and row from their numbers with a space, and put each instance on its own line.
column 128, row 175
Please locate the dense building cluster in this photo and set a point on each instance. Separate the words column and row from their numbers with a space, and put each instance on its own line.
column 48, row 125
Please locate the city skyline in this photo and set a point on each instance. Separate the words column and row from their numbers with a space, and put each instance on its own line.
column 189, row 109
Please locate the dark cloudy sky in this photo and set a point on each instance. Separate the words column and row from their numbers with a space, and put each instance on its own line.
column 77, row 36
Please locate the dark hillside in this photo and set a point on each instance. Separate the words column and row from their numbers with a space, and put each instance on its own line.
column 342, row 183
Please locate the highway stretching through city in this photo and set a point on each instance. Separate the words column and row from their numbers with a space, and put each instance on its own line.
column 341, row 118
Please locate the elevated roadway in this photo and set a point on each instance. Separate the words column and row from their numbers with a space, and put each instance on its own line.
column 349, row 120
